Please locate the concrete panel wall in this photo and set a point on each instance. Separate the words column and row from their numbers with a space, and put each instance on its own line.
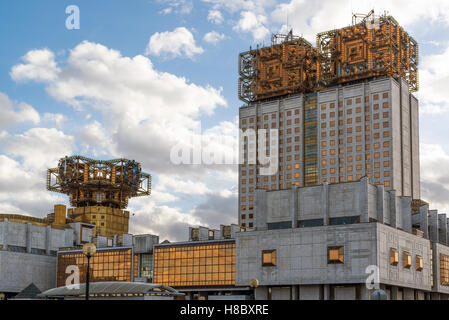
column 302, row 255
column 389, row 237
column 18, row 270
column 439, row 249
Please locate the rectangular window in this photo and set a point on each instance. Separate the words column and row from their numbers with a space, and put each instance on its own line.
column 269, row 258
column 407, row 260
column 444, row 270
column 344, row 220
column 279, row 225
column 336, row 255
column 419, row 263
column 394, row 257
column 310, row 223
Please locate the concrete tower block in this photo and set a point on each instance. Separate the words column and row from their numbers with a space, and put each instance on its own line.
column 433, row 225
column 381, row 204
column 424, row 220
column 395, row 213
column 406, row 210
column 363, row 189
column 442, row 228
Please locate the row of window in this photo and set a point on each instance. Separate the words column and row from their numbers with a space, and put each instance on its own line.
column 314, row 223
column 406, row 259
column 335, row 255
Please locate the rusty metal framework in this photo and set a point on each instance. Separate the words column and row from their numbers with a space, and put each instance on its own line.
column 288, row 66
column 372, row 46
column 108, row 183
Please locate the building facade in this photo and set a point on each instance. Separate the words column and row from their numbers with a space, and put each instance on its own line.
column 339, row 134
column 325, row 242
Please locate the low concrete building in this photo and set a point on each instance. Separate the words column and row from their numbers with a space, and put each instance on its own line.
column 326, row 242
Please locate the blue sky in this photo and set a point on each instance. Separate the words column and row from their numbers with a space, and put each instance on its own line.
column 139, row 77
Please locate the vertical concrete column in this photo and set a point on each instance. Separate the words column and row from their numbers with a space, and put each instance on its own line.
column 394, row 293
column 28, row 237
column 326, row 292
column 261, row 293
column 5, row 234
column 325, row 203
column 363, row 191
column 442, row 228
column 294, row 206
column 381, row 204
column 295, row 293
column 48, row 240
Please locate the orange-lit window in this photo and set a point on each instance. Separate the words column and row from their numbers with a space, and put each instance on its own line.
column 419, row 263
column 336, row 255
column 407, row 260
column 394, row 257
column 269, row 258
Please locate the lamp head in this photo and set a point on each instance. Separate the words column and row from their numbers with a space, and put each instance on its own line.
column 89, row 249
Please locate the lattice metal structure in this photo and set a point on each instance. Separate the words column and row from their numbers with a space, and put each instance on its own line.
column 108, row 183
column 372, row 46
column 288, row 66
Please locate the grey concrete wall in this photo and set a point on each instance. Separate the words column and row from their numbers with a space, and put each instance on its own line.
column 388, row 237
column 302, row 255
column 18, row 270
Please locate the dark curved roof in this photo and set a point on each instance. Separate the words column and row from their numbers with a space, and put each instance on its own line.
column 116, row 288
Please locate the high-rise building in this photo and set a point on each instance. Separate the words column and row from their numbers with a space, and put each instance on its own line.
column 331, row 115
column 339, row 134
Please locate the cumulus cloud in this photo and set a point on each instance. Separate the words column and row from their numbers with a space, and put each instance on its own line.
column 434, row 80
column 56, row 119
column 254, row 24
column 215, row 17
column 171, row 44
column 13, row 113
column 214, row 37
column 39, row 65
column 38, row 147
column 142, row 114
column 435, row 176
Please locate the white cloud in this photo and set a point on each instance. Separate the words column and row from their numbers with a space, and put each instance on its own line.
column 38, row 147
column 214, row 37
column 10, row 117
column 215, row 16
column 166, row 11
column 173, row 44
column 434, row 81
column 435, row 176
column 143, row 114
column 57, row 119
column 94, row 139
column 39, row 65
column 252, row 23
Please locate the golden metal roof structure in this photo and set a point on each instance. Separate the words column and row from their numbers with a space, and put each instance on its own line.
column 108, row 183
column 373, row 46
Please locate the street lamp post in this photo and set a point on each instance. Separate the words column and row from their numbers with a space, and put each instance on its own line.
column 89, row 250
column 253, row 284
